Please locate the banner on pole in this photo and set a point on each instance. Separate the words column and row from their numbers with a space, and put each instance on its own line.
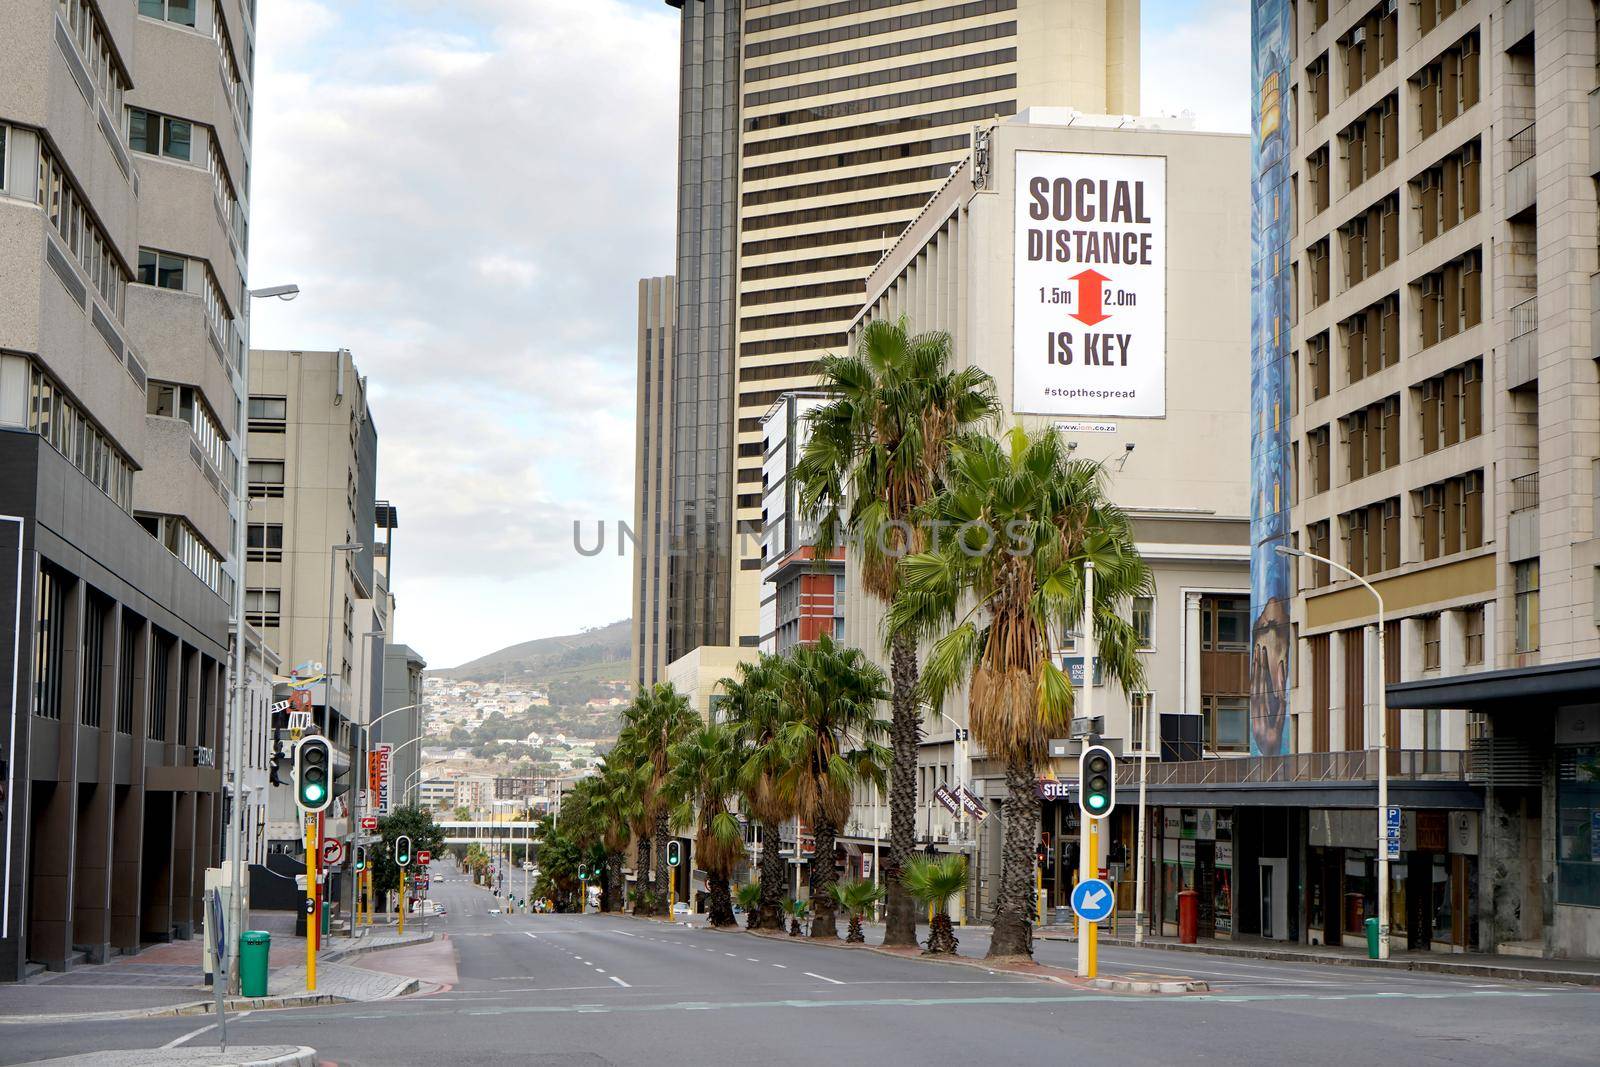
column 378, row 776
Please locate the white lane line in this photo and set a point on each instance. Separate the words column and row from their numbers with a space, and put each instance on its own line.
column 825, row 978
column 751, row 959
column 624, row 933
column 175, row 1042
column 620, row 982
column 780, row 966
column 600, row 970
column 527, row 933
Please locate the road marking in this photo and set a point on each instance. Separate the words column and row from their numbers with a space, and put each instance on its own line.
column 601, row 970
column 528, row 933
column 728, row 954
column 781, row 966
column 750, row 959
column 175, row 1042
column 825, row 978
column 620, row 982
column 624, row 933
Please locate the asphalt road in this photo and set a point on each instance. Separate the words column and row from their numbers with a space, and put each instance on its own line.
column 579, row 990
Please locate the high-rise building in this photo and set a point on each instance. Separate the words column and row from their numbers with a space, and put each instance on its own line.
column 316, row 594
column 850, row 116
column 652, row 496
column 124, row 162
column 1426, row 410
column 800, row 599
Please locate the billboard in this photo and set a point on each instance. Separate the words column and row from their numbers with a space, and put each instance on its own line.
column 1090, row 285
column 1270, row 452
column 378, row 777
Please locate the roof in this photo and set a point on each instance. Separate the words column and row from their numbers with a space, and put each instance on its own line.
column 1546, row 682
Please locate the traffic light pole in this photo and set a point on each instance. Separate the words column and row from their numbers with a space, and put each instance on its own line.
column 402, row 929
column 313, row 899
column 1087, row 859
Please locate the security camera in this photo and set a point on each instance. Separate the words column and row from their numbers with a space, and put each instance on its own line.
column 1128, row 447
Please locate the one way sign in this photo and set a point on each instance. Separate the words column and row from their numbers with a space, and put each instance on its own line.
column 1093, row 900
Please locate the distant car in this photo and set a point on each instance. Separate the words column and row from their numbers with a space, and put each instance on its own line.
column 680, row 908
column 494, row 911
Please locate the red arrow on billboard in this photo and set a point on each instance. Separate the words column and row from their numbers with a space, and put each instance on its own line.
column 1089, row 296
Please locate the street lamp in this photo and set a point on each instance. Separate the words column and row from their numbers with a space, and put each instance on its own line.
column 327, row 665
column 235, row 757
column 1383, row 744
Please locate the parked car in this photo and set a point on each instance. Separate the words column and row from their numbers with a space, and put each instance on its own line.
column 680, row 908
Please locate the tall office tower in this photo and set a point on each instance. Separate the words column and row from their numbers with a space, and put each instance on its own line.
column 698, row 567
column 1427, row 414
column 123, row 162
column 658, row 306
column 851, row 115
column 313, row 487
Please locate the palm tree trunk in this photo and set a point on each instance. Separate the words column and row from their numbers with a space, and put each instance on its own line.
column 905, row 733
column 663, row 872
column 720, row 902
column 641, row 870
column 824, row 921
column 613, row 899
column 1015, row 902
column 773, row 879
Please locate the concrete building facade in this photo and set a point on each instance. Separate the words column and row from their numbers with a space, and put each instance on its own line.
column 123, row 229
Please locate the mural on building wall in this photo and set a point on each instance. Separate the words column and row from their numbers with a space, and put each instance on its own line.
column 1270, row 281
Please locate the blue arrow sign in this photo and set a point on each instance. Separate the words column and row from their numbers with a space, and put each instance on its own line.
column 1093, row 900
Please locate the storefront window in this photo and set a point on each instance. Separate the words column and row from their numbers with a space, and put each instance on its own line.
column 1443, row 915
column 1578, row 821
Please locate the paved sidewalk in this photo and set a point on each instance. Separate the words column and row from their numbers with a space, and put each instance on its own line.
column 242, row 1056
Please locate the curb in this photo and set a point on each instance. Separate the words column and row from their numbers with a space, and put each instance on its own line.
column 301, row 1056
column 1469, row 970
column 334, row 955
column 208, row 1007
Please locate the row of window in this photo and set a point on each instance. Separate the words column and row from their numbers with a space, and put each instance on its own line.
column 94, row 45
column 855, row 184
column 160, row 135
column 811, row 317
column 810, row 343
column 852, row 261
column 1449, row 301
column 847, row 287
column 67, row 209
column 812, row 164
column 58, row 419
column 773, row 371
column 1429, row 14
column 883, row 128
column 882, row 76
column 819, row 239
column 874, row 53
column 908, row 98
column 184, row 402
column 182, row 541
column 1449, row 518
column 182, row 12
column 847, row 210
column 852, row 31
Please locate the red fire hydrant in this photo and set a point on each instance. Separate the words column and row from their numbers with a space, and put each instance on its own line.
column 1189, row 917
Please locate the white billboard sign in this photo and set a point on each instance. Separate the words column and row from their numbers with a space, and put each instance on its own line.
column 1090, row 285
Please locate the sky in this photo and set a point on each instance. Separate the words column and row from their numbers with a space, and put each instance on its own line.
column 467, row 195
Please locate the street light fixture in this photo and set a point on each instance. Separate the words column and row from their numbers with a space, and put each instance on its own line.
column 1383, row 743
column 236, row 915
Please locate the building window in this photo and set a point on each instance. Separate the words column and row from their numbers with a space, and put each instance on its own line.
column 55, row 417
column 262, row 606
column 184, row 402
column 1371, row 45
column 1450, row 299
column 1429, row 625
column 1472, row 635
column 1371, row 142
column 160, row 135
column 1144, row 609
column 268, row 414
column 161, row 269
column 1372, row 537
column 1451, row 515
column 1450, row 192
column 1317, row 449
column 1318, row 542
column 1372, row 438
column 50, row 623
column 1577, row 814
column 1227, row 723
column 265, row 477
column 1450, row 406
column 265, row 542
column 69, row 216
column 1449, row 85
column 180, row 11
column 1526, row 577
column 1225, row 624
column 3, row 131
column 1372, row 339
column 1139, row 705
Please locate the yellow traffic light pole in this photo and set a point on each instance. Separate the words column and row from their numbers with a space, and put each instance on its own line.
column 313, row 846
column 402, row 900
column 1091, row 931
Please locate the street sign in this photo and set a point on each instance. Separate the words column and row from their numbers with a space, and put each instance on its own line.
column 1092, row 900
column 369, row 823
column 947, row 800
column 1391, row 833
column 424, row 856
column 332, row 852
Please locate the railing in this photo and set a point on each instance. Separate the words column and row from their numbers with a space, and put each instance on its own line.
column 1522, row 364
column 1405, row 764
column 1521, row 146
column 1520, row 188
column 1524, row 318
column 1525, row 493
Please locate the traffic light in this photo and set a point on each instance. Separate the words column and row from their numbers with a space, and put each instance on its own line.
column 583, row 872
column 1097, row 781
column 313, row 761
column 674, row 852
column 402, row 851
column 1041, row 855
column 361, row 858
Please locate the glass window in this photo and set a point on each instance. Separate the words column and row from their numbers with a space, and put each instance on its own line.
column 1578, row 815
column 2, row 157
column 1227, row 723
column 169, row 271
column 155, row 9
column 1472, row 631
column 1430, row 642
column 176, row 137
column 142, row 137
column 269, row 407
column 1527, row 604
column 1144, row 608
column 268, row 471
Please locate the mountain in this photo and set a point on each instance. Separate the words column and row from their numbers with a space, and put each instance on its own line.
column 599, row 654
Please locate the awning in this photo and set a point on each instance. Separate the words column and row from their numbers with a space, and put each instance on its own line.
column 1412, row 795
column 1549, row 683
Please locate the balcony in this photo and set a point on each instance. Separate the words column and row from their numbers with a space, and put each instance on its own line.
column 1522, row 536
column 1594, row 131
column 1522, row 345
column 1521, row 173
column 1516, row 23
column 1405, row 764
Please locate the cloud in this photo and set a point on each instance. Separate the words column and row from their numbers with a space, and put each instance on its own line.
column 467, row 199
column 1196, row 57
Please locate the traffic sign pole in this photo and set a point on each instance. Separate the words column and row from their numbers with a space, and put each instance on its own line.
column 1091, row 931
column 402, row 929
column 1086, row 860
column 313, row 876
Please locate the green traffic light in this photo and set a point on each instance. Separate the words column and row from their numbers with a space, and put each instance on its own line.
column 313, row 792
column 1097, row 802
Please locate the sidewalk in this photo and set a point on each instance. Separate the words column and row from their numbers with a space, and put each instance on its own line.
column 169, row 978
column 1473, row 964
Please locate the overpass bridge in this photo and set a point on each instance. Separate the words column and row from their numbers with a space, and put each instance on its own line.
column 487, row 832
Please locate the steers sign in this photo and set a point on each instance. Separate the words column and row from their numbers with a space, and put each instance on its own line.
column 1090, row 285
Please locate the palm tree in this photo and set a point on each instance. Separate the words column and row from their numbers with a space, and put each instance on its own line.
column 658, row 718
column 854, row 897
column 752, row 705
column 796, row 910
column 1003, row 592
column 703, row 780
column 832, row 742
column 749, row 898
column 875, row 457
column 936, row 882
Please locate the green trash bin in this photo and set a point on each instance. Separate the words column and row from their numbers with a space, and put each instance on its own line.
column 1372, row 938
column 254, row 948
